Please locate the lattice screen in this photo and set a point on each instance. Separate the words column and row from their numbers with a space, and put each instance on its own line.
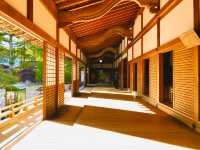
column 61, row 85
column 49, row 80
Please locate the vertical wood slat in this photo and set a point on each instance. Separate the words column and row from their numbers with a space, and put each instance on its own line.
column 153, row 79
column 184, row 81
column 49, row 81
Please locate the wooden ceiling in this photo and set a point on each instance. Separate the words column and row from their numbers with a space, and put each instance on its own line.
column 89, row 19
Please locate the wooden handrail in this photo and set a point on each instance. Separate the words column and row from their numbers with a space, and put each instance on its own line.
column 9, row 111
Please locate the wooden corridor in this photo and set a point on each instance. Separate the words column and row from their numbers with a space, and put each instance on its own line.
column 100, row 123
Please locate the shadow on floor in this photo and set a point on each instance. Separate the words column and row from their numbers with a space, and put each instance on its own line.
column 68, row 114
column 158, row 127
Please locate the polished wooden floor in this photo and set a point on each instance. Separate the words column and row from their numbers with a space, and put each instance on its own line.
column 109, row 124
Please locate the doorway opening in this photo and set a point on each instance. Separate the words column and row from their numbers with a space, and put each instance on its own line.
column 82, row 76
column 166, row 79
column 146, row 77
column 125, row 70
column 128, row 76
column 135, row 77
column 68, row 76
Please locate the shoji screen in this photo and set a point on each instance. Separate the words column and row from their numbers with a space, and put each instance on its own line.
column 49, row 80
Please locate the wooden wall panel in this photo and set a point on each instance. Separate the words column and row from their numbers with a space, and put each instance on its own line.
column 184, row 81
column 153, row 79
column 49, row 81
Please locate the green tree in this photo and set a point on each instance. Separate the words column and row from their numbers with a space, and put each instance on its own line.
column 68, row 70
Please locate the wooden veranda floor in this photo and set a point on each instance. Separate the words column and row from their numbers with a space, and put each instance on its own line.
column 108, row 124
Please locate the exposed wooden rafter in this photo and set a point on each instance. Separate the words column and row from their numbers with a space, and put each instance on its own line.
column 97, row 11
column 76, row 4
column 97, row 39
column 99, row 54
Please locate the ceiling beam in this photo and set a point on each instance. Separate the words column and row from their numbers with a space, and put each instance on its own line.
column 97, row 11
column 73, row 4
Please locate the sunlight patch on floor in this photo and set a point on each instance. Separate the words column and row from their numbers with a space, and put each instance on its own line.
column 110, row 103
column 51, row 136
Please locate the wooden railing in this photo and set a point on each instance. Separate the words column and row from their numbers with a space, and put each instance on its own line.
column 12, row 110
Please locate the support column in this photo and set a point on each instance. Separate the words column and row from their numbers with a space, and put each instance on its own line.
column 197, row 29
column 75, row 77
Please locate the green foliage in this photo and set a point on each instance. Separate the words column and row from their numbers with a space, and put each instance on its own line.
column 7, row 79
column 68, row 71
column 19, row 55
column 102, row 76
column 39, row 71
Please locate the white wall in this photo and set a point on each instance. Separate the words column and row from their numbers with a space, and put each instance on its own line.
column 147, row 16
column 125, row 42
column 130, row 54
column 137, row 25
column 150, row 40
column 178, row 21
column 163, row 2
column 137, row 49
column 43, row 18
column 19, row 5
column 78, row 53
column 64, row 38
column 124, row 56
column 73, row 47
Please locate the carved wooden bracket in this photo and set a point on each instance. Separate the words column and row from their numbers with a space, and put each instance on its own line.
column 98, row 39
column 98, row 11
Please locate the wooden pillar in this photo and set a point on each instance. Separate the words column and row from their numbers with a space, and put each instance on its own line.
column 75, row 77
column 197, row 29
column 141, row 60
column 30, row 10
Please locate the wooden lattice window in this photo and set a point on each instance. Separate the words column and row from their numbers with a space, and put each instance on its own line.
column 50, row 65
column 49, row 81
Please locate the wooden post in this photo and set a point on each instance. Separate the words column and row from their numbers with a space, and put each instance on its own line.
column 13, row 112
column 74, row 78
column 196, row 4
column 44, row 79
